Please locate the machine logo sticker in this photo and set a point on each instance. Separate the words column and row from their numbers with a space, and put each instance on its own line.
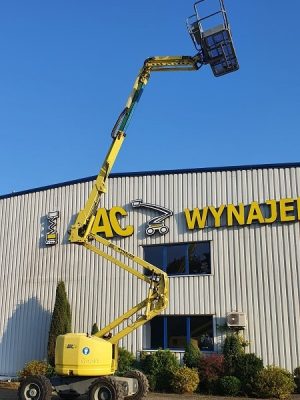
column 52, row 235
column 86, row 351
column 156, row 223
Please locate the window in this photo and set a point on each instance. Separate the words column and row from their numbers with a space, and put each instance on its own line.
column 199, row 258
column 174, row 332
column 180, row 259
column 201, row 330
column 157, row 333
column 154, row 255
column 176, row 259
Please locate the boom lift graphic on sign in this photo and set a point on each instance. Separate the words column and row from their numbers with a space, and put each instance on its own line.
column 156, row 223
column 85, row 364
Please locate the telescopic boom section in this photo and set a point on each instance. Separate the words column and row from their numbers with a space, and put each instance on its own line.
column 82, row 231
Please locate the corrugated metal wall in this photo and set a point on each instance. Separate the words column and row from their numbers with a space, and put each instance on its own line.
column 255, row 269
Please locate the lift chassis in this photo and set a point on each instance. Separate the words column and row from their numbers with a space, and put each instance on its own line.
column 85, row 364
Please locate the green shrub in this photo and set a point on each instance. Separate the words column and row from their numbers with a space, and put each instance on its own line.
column 147, row 365
column 275, row 382
column 185, row 380
column 61, row 320
column 211, row 368
column 233, row 347
column 152, row 381
column 192, row 356
column 297, row 371
column 297, row 379
column 230, row 385
column 246, row 369
column 159, row 367
column 95, row 328
column 36, row 367
column 126, row 361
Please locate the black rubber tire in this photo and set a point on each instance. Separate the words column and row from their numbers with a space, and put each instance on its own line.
column 66, row 396
column 105, row 388
column 35, row 387
column 143, row 385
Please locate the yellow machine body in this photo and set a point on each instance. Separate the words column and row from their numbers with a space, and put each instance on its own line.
column 82, row 355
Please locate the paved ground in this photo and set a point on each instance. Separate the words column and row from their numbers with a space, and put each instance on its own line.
column 11, row 394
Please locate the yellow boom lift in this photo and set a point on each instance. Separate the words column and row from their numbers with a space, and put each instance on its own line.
column 85, row 364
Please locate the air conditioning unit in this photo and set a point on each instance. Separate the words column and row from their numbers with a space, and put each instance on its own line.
column 236, row 319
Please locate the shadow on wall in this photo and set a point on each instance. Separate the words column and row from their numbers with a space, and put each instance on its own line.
column 25, row 337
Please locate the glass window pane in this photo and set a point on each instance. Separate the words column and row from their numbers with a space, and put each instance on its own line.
column 199, row 258
column 176, row 259
column 157, row 332
column 202, row 332
column 154, row 255
column 176, row 332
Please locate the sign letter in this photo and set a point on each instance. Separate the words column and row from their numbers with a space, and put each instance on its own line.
column 273, row 211
column 255, row 214
column 239, row 214
column 217, row 213
column 102, row 224
column 115, row 223
column 196, row 218
column 286, row 205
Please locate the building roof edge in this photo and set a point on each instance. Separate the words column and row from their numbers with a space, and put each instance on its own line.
column 161, row 172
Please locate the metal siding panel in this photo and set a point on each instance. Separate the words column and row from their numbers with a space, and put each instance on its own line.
column 255, row 269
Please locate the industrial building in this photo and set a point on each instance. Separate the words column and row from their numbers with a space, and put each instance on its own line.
column 227, row 237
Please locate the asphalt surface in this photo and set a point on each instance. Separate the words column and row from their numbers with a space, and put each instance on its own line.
column 11, row 394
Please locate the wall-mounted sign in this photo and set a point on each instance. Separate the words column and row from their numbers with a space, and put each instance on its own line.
column 52, row 235
column 283, row 210
column 155, row 224
column 109, row 224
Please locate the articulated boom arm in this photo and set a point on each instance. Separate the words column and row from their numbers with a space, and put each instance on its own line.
column 153, row 64
column 82, row 231
column 155, row 302
column 82, row 227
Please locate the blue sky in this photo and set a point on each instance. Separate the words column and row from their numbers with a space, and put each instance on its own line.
column 67, row 68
